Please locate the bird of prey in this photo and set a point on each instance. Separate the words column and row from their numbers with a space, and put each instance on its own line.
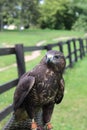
column 42, row 87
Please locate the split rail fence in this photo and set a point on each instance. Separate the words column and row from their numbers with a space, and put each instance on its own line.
column 73, row 50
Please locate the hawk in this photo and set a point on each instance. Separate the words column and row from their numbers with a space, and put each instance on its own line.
column 42, row 87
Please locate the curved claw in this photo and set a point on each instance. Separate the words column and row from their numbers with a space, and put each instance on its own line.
column 33, row 126
column 49, row 126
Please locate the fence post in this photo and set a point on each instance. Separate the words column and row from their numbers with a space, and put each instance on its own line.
column 81, row 48
column 86, row 45
column 75, row 51
column 20, row 59
column 69, row 53
column 48, row 47
column 60, row 46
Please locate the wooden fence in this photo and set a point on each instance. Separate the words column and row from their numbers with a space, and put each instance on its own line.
column 73, row 50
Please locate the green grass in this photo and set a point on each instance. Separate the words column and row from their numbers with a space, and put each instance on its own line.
column 30, row 38
column 71, row 113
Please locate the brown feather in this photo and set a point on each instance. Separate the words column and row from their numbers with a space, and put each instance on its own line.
column 42, row 87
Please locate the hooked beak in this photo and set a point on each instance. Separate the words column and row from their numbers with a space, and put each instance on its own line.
column 49, row 58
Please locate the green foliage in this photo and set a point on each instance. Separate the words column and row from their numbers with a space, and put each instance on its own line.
column 21, row 13
column 80, row 24
column 7, row 12
column 29, row 12
column 57, row 14
column 81, row 13
column 60, row 14
column 54, row 14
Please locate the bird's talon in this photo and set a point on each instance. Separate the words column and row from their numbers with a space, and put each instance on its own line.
column 33, row 126
column 49, row 126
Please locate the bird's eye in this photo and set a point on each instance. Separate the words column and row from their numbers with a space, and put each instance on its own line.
column 56, row 56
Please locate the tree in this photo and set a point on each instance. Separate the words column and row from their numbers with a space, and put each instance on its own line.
column 81, row 11
column 56, row 13
column 1, row 14
column 19, row 12
column 7, row 11
column 29, row 12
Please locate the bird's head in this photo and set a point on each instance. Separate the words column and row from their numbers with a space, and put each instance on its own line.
column 55, row 60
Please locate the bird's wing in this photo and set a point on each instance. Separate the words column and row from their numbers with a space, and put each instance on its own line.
column 24, row 86
column 60, row 92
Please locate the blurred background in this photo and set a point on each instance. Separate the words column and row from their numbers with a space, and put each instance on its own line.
column 53, row 14
column 36, row 23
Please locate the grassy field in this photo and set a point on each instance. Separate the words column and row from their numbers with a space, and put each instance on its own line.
column 30, row 38
column 71, row 113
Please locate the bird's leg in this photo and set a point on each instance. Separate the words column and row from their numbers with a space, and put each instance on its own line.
column 31, row 113
column 47, row 113
column 33, row 125
column 49, row 126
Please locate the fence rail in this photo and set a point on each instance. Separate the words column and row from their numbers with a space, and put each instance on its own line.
column 19, row 50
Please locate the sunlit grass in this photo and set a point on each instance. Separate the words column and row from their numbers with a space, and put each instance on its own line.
column 30, row 38
column 71, row 113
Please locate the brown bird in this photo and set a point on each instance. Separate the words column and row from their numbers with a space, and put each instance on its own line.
column 42, row 87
